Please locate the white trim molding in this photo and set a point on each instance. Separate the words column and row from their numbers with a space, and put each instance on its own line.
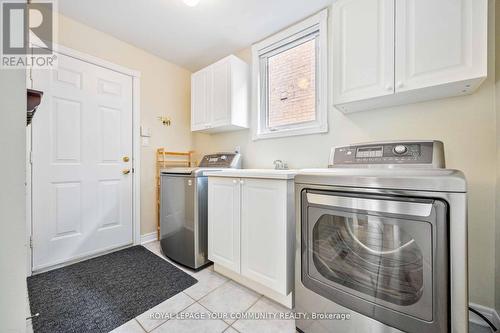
column 315, row 24
column 148, row 238
column 95, row 60
column 489, row 313
column 136, row 157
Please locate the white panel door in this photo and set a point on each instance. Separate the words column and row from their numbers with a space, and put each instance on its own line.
column 82, row 200
column 263, row 232
column 200, row 100
column 363, row 49
column 221, row 93
column 438, row 42
column 224, row 222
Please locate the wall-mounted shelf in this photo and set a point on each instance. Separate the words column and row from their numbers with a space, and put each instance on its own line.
column 34, row 99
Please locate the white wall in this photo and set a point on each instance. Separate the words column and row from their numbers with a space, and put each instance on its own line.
column 466, row 125
column 12, row 200
column 164, row 92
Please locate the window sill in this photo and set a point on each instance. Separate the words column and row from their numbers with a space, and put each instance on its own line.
column 290, row 132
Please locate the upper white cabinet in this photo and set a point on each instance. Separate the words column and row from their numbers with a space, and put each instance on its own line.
column 220, row 96
column 363, row 49
column 199, row 100
column 440, row 42
column 392, row 52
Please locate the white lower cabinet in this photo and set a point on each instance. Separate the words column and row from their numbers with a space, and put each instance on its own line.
column 262, row 211
column 263, row 232
column 224, row 222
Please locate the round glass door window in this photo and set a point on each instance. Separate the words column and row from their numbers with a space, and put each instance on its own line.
column 366, row 254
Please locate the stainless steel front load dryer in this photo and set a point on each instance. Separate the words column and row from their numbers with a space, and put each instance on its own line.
column 183, row 209
column 382, row 240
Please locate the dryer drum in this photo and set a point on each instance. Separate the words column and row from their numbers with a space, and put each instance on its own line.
column 345, row 252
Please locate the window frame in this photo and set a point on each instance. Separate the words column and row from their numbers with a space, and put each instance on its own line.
column 312, row 28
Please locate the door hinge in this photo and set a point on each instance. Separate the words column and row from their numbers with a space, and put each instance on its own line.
column 31, row 157
column 31, row 242
column 30, row 77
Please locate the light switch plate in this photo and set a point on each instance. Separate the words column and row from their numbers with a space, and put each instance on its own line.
column 145, row 131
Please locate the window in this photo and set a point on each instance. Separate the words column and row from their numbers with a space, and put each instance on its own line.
column 291, row 92
column 290, row 79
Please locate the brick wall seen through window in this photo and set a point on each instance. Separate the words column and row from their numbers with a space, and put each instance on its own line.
column 292, row 85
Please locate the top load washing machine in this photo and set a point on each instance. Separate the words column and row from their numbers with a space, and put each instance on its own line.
column 382, row 241
column 183, row 209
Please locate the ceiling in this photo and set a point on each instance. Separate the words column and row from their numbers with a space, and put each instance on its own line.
column 192, row 37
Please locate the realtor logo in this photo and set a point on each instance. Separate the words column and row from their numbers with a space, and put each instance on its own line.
column 27, row 34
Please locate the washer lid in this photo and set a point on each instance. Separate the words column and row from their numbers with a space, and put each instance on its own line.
column 193, row 172
column 439, row 180
column 178, row 171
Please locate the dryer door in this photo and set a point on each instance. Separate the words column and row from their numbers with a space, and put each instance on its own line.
column 376, row 255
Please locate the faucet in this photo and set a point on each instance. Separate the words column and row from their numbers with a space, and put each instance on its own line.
column 280, row 165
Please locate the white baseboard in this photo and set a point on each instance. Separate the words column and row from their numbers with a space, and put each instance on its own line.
column 148, row 238
column 489, row 313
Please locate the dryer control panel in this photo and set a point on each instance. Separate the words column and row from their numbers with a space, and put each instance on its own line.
column 390, row 154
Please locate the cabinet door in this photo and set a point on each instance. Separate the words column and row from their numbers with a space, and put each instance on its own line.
column 224, row 222
column 200, row 100
column 263, row 232
column 363, row 49
column 439, row 42
column 221, row 93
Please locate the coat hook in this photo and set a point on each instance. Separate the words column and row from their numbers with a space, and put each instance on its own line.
column 165, row 121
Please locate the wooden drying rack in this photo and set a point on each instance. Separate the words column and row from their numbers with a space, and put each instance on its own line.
column 168, row 159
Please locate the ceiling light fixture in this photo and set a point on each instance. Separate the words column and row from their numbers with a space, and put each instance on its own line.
column 191, row 3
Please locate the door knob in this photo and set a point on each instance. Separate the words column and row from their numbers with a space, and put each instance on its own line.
column 126, row 171
column 126, row 159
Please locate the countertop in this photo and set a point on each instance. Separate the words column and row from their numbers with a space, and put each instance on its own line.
column 254, row 173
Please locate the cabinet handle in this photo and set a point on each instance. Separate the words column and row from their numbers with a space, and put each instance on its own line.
column 242, row 182
column 234, row 181
column 190, row 182
column 388, row 87
column 400, row 84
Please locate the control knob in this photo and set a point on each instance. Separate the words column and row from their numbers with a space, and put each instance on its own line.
column 400, row 149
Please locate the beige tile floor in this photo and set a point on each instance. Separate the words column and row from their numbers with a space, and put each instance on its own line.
column 213, row 293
